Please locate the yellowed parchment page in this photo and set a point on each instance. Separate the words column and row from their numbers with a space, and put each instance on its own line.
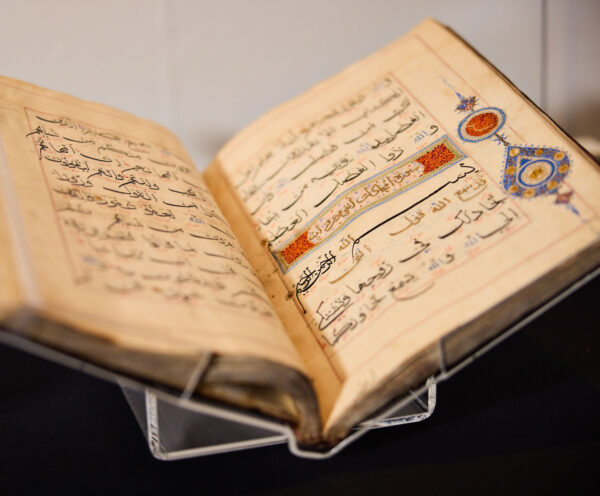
column 401, row 199
column 10, row 288
column 118, row 236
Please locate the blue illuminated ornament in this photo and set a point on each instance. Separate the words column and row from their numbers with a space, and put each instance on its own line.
column 529, row 171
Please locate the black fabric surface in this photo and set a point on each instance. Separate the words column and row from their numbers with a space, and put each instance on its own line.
column 523, row 419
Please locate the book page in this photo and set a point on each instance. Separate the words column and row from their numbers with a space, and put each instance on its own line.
column 402, row 198
column 119, row 236
column 9, row 279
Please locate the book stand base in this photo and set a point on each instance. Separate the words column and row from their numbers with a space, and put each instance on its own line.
column 176, row 428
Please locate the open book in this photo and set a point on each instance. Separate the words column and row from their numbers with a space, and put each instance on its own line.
column 312, row 271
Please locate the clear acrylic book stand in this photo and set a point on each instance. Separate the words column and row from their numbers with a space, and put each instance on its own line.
column 179, row 427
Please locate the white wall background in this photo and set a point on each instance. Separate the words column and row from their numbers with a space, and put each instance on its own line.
column 207, row 69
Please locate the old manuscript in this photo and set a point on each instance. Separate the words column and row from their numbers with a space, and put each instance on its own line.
column 337, row 252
